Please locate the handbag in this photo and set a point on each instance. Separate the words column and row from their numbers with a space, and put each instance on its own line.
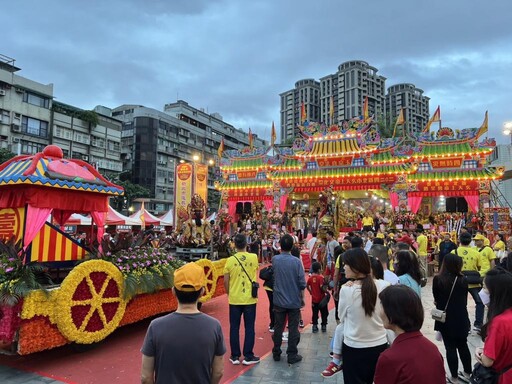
column 325, row 300
column 439, row 315
column 486, row 375
column 254, row 284
column 473, row 277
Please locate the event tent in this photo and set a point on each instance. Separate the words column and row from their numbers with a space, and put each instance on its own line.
column 148, row 217
column 167, row 219
column 78, row 219
column 116, row 218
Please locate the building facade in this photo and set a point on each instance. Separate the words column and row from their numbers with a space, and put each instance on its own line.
column 307, row 93
column 30, row 120
column 414, row 104
column 153, row 142
column 502, row 157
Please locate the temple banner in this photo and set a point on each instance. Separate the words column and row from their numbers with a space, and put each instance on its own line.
column 12, row 222
column 201, row 180
column 447, row 163
column 183, row 190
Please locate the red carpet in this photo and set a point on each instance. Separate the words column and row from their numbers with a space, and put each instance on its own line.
column 117, row 359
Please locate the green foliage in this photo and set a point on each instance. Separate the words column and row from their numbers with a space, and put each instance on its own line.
column 17, row 279
column 5, row 155
column 386, row 127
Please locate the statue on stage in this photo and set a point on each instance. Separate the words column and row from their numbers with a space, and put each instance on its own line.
column 196, row 230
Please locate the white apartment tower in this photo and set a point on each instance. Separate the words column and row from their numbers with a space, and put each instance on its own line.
column 349, row 86
column 414, row 103
column 307, row 92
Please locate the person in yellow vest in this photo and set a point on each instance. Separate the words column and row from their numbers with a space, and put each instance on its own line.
column 485, row 250
column 367, row 222
column 422, row 250
column 487, row 242
column 473, row 261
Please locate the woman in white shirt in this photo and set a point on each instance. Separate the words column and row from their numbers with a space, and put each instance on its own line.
column 361, row 331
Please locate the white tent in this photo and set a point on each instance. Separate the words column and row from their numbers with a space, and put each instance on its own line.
column 167, row 218
column 116, row 218
column 148, row 217
column 78, row 219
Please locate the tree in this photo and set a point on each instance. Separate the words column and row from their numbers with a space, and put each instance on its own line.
column 387, row 127
column 131, row 191
column 5, row 155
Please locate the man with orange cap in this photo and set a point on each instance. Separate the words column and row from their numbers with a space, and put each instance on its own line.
column 185, row 332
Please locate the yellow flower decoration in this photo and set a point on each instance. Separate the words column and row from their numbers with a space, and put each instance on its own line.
column 211, row 278
column 91, row 302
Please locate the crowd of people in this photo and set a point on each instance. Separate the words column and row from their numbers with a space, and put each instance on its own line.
column 376, row 281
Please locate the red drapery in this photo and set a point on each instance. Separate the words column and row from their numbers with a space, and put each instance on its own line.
column 414, row 203
column 99, row 220
column 268, row 204
column 282, row 202
column 36, row 217
column 393, row 198
column 473, row 202
column 232, row 209
column 61, row 217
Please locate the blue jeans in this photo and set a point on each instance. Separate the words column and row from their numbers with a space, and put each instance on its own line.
column 236, row 312
column 479, row 311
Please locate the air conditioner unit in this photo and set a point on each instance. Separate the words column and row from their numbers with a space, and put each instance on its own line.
column 2, row 92
column 15, row 128
column 85, row 157
column 15, row 139
column 18, row 90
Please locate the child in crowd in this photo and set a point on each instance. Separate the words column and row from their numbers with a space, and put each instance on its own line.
column 315, row 287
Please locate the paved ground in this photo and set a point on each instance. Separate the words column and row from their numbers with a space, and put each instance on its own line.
column 313, row 347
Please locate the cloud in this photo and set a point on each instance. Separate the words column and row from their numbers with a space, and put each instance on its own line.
column 236, row 57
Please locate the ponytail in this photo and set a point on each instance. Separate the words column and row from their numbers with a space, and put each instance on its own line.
column 368, row 295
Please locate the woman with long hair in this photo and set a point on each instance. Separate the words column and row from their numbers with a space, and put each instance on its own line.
column 408, row 270
column 500, row 247
column 360, row 336
column 457, row 325
column 412, row 358
column 497, row 331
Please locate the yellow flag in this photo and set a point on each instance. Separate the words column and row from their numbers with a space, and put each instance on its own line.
column 399, row 121
column 365, row 109
column 221, row 149
column 303, row 113
column 142, row 216
column 484, row 127
column 251, row 139
column 273, row 135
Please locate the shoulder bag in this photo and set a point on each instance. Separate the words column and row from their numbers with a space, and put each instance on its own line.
column 439, row 315
column 254, row 284
column 473, row 277
column 486, row 375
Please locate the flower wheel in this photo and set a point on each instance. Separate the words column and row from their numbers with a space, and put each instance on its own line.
column 211, row 279
column 90, row 302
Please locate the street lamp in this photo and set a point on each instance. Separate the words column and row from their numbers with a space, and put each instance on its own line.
column 211, row 162
column 507, row 129
column 195, row 157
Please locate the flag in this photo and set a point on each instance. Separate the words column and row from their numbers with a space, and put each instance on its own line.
column 331, row 110
column 484, row 127
column 437, row 115
column 399, row 121
column 251, row 139
column 221, row 149
column 273, row 135
column 365, row 109
column 142, row 216
column 303, row 114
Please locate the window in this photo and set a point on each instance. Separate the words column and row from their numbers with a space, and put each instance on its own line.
column 34, row 99
column 261, row 175
column 28, row 147
column 34, row 127
column 424, row 167
column 311, row 165
column 4, row 116
column 470, row 164
column 232, row 177
column 358, row 162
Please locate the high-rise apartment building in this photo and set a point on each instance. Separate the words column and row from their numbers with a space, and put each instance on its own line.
column 349, row 86
column 414, row 104
column 307, row 93
column 153, row 142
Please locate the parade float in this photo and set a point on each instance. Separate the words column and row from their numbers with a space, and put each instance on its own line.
column 360, row 167
column 53, row 291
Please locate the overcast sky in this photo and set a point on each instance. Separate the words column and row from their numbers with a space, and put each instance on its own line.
column 234, row 57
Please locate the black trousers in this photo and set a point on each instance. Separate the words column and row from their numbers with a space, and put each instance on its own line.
column 454, row 345
column 280, row 315
column 324, row 312
column 270, row 295
column 359, row 363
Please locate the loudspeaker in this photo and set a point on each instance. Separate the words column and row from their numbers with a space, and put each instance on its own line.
column 247, row 207
column 451, row 204
column 239, row 208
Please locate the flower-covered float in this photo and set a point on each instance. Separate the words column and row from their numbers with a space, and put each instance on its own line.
column 94, row 291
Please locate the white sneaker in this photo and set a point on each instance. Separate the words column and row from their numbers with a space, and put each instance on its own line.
column 285, row 336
